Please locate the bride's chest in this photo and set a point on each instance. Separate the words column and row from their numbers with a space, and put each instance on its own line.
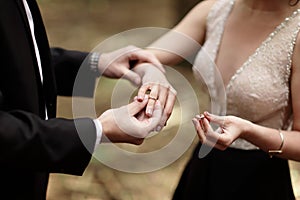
column 236, row 45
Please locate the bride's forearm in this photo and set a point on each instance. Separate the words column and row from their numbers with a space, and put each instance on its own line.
column 271, row 139
column 174, row 47
column 165, row 57
column 144, row 69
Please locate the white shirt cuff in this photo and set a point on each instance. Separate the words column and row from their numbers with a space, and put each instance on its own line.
column 98, row 131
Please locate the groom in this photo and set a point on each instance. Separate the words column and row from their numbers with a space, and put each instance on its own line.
column 33, row 143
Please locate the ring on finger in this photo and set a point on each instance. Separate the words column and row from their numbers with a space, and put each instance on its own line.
column 153, row 98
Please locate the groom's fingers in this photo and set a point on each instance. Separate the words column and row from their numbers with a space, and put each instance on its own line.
column 136, row 106
column 131, row 76
column 145, row 56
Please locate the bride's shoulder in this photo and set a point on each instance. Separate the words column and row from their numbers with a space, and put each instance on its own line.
column 205, row 4
column 202, row 9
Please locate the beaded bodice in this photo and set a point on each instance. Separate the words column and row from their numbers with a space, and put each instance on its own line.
column 259, row 90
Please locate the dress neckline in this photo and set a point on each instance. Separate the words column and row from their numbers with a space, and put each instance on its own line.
column 248, row 61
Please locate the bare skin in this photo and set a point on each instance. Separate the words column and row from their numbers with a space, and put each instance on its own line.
column 244, row 32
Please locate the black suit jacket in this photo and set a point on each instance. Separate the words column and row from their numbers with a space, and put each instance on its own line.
column 31, row 147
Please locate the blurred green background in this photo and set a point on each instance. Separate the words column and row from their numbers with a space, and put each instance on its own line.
column 82, row 25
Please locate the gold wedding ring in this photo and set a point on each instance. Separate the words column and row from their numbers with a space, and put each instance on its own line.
column 153, row 98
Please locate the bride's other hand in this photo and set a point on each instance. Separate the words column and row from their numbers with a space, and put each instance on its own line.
column 230, row 128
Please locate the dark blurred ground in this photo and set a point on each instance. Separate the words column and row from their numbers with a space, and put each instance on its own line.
column 83, row 24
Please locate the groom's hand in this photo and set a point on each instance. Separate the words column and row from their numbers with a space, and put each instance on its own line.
column 117, row 64
column 125, row 125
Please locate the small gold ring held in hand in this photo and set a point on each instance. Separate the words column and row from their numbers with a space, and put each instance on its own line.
column 223, row 124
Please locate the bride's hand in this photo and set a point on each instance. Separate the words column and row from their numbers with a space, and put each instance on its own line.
column 230, row 128
column 156, row 83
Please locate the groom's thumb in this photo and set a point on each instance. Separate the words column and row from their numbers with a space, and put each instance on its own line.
column 133, row 77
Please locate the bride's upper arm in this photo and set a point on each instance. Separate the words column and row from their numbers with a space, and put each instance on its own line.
column 194, row 23
column 185, row 38
column 295, row 85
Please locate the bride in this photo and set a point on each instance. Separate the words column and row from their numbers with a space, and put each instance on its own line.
column 255, row 45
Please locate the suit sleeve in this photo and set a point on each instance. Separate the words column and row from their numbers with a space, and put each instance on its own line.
column 55, row 146
column 72, row 72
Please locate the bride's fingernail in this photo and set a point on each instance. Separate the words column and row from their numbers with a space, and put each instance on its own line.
column 206, row 113
column 194, row 122
column 149, row 112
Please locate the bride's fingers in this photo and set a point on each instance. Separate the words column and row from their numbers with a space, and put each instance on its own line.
column 210, row 139
column 153, row 97
column 143, row 92
column 207, row 127
column 220, row 120
column 200, row 131
column 168, row 109
column 199, row 118
column 203, row 128
column 217, row 138
column 163, row 94
column 225, row 139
